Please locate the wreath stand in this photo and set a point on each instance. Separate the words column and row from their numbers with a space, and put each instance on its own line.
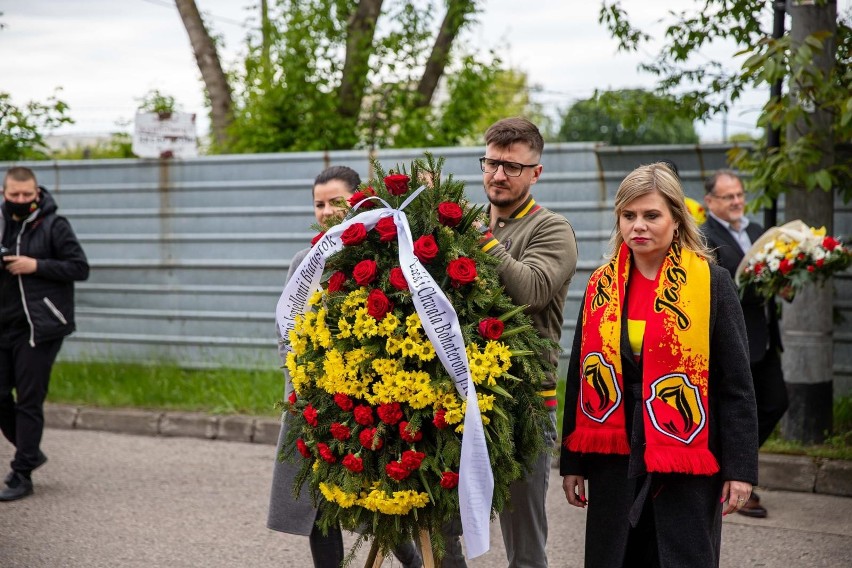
column 375, row 561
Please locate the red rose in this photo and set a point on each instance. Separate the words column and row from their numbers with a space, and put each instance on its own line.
column 364, row 272
column 292, row 397
column 449, row 480
column 354, row 234
column 326, row 453
column 491, row 328
column 360, row 196
column 811, row 268
column 364, row 415
column 439, row 421
column 829, row 243
column 449, row 213
column 378, row 305
column 340, row 431
column 397, row 184
column 820, row 262
column 758, row 268
column 397, row 279
column 335, row 282
column 785, row 266
column 386, row 228
column 408, row 436
column 343, row 401
column 310, row 414
column 397, row 471
column 389, row 413
column 461, row 271
column 316, row 239
column 369, row 440
column 425, row 248
column 303, row 448
column 353, row 463
column 412, row 459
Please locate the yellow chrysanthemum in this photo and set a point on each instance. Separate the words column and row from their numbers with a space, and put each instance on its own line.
column 425, row 351
column 344, row 328
column 388, row 325
column 353, row 301
column 409, row 347
column 335, row 494
column 365, row 324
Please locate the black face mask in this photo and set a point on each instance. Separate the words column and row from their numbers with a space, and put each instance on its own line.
column 21, row 210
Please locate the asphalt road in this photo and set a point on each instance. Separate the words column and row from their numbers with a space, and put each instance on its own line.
column 116, row 500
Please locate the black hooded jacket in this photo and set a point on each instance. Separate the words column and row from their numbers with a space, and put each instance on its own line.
column 40, row 306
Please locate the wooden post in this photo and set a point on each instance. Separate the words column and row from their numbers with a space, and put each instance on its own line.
column 426, row 549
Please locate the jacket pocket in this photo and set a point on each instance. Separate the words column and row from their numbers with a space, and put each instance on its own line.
column 55, row 311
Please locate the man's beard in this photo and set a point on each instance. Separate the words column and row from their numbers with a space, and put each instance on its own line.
column 505, row 200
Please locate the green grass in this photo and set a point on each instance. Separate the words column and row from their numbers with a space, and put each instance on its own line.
column 837, row 446
column 219, row 391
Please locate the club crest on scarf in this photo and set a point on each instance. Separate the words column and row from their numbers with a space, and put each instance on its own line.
column 674, row 407
column 600, row 394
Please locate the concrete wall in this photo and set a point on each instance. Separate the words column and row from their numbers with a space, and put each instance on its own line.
column 189, row 256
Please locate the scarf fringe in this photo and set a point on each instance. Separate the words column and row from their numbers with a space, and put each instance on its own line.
column 695, row 461
column 598, row 441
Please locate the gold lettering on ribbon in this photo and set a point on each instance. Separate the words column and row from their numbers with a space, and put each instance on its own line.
column 673, row 276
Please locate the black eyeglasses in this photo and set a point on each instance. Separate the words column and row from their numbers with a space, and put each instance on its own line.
column 511, row 169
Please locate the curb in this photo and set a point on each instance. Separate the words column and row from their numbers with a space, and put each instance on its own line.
column 777, row 471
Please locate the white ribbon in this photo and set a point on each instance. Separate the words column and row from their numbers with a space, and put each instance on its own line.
column 441, row 324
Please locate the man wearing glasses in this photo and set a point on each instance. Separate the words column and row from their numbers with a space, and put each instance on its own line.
column 538, row 256
column 730, row 234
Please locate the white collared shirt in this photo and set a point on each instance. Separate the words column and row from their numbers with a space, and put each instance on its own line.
column 740, row 235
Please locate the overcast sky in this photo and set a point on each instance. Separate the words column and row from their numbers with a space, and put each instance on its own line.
column 106, row 54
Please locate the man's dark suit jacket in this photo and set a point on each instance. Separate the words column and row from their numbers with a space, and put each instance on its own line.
column 762, row 331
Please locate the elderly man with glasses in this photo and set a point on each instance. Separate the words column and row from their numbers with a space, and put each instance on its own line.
column 730, row 234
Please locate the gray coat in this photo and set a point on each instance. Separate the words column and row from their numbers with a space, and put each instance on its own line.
column 286, row 513
column 685, row 508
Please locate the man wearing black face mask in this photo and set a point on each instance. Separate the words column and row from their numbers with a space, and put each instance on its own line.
column 42, row 260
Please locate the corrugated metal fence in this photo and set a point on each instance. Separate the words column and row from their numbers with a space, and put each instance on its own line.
column 189, row 256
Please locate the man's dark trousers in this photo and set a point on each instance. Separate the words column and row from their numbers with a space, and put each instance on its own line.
column 25, row 369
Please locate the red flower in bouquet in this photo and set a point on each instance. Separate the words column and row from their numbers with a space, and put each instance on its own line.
column 353, row 463
column 386, row 228
column 412, row 459
column 449, row 480
column 292, row 398
column 397, row 184
column 336, row 281
column 785, row 266
column 369, row 440
column 409, row 437
column 397, row 278
column 303, row 448
column 491, row 328
column 355, row 234
column 449, row 213
column 317, row 238
column 397, row 471
column 378, row 305
column 310, row 414
column 364, row 272
column 326, row 453
column 360, row 196
column 364, row 415
column 425, row 248
column 829, row 243
column 439, row 420
column 343, row 401
column 461, row 271
column 340, row 431
column 389, row 413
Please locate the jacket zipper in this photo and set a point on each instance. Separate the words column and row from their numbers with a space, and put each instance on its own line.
column 21, row 282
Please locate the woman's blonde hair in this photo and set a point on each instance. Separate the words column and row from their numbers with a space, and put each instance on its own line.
column 660, row 178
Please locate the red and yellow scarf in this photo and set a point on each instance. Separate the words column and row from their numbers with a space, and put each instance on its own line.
column 675, row 363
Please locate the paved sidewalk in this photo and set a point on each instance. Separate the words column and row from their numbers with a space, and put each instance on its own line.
column 110, row 499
